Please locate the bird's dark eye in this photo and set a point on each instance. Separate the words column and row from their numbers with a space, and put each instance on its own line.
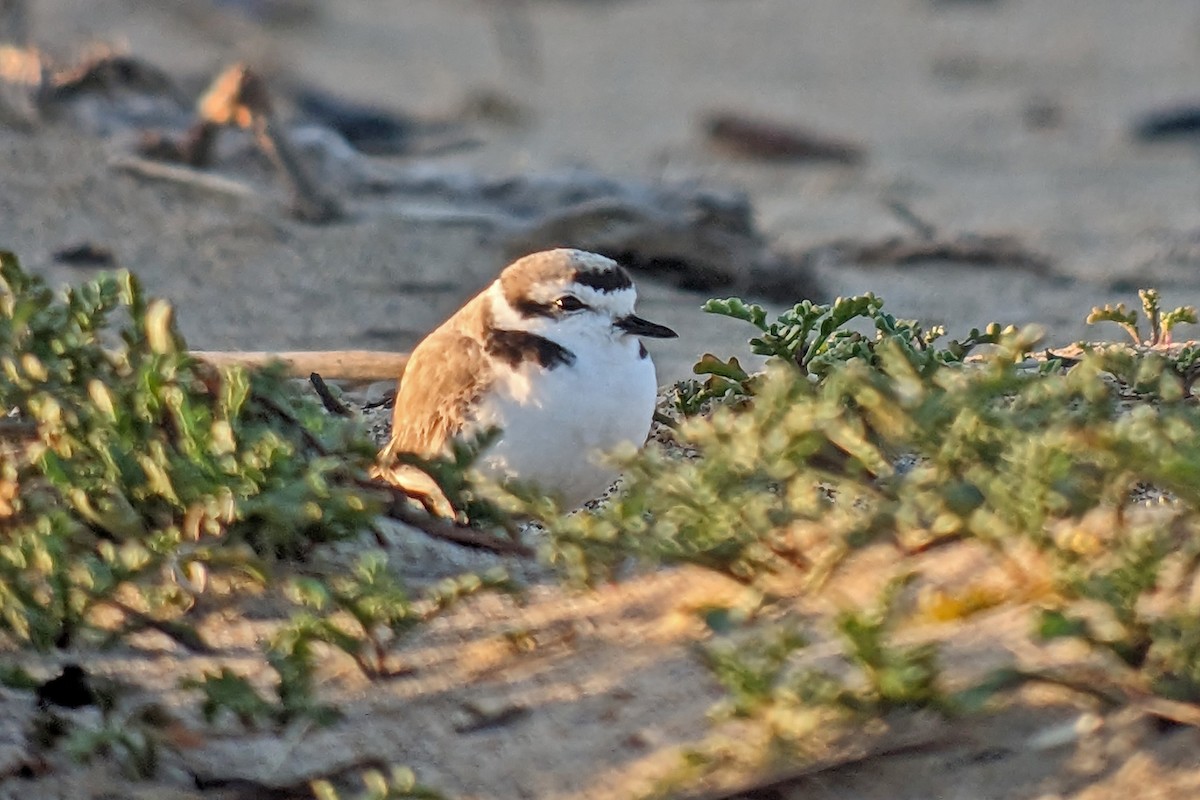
column 569, row 303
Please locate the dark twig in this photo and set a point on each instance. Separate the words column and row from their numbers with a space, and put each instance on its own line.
column 331, row 403
column 1169, row 123
column 929, row 544
column 309, row 203
column 388, row 399
column 904, row 213
column 665, row 421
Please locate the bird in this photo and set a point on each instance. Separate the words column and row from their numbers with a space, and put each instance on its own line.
column 550, row 354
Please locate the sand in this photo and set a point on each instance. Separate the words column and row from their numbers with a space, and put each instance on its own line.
column 1004, row 117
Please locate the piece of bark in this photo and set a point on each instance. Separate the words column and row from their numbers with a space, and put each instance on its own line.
column 166, row 171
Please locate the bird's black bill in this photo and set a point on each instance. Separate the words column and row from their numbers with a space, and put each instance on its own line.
column 644, row 327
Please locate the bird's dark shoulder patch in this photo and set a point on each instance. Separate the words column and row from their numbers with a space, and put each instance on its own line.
column 515, row 347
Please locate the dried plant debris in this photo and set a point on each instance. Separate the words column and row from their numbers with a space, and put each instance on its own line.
column 773, row 140
column 993, row 250
column 86, row 255
column 107, row 92
column 927, row 244
column 699, row 237
column 32, row 85
column 239, row 98
column 378, row 131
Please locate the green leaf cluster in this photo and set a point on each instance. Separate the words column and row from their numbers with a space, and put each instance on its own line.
column 764, row 680
column 145, row 469
column 846, row 441
column 365, row 612
column 136, row 479
column 400, row 784
column 1162, row 323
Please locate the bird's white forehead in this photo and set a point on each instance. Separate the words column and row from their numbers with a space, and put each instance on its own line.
column 591, row 262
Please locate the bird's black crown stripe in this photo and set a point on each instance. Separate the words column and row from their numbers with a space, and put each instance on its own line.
column 608, row 280
column 514, row 347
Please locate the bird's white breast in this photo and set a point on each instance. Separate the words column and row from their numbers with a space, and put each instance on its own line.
column 557, row 423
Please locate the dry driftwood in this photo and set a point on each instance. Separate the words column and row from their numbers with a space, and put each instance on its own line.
column 158, row 170
column 349, row 365
column 699, row 237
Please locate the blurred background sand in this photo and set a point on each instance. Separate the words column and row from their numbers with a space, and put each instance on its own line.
column 1000, row 116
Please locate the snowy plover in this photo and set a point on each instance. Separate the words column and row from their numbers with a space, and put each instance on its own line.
column 550, row 355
